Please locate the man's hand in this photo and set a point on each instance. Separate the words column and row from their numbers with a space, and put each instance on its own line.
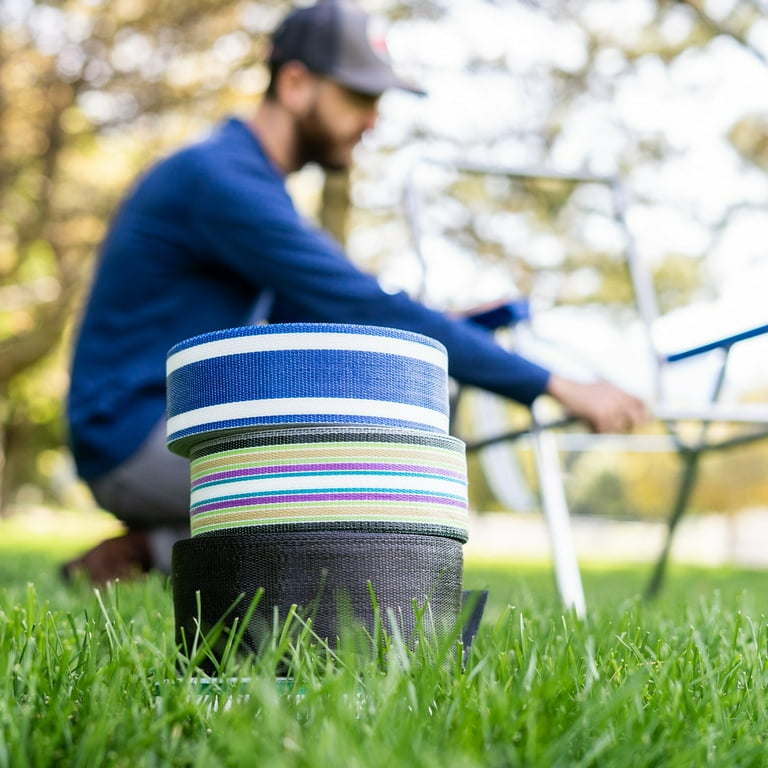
column 605, row 407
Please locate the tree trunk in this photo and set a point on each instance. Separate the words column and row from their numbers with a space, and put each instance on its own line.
column 334, row 212
column 4, row 408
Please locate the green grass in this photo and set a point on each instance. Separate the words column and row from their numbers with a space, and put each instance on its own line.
column 90, row 679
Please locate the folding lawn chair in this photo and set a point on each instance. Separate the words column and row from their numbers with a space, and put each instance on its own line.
column 545, row 431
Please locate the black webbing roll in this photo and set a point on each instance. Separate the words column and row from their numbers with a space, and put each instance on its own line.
column 320, row 572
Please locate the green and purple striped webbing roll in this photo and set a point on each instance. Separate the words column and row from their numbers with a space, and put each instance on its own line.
column 330, row 478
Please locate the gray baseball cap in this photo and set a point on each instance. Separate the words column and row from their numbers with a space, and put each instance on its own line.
column 341, row 41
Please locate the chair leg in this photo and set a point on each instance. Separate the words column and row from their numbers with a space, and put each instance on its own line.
column 688, row 477
column 555, row 505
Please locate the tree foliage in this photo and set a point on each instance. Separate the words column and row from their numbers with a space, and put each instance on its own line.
column 91, row 91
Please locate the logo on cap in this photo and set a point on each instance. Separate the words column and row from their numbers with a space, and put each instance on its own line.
column 375, row 32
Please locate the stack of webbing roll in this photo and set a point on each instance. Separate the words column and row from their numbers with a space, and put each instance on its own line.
column 321, row 468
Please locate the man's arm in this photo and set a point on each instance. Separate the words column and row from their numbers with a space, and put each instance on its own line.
column 254, row 229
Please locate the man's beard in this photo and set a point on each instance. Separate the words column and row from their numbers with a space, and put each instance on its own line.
column 316, row 144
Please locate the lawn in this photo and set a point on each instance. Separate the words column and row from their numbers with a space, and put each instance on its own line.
column 91, row 679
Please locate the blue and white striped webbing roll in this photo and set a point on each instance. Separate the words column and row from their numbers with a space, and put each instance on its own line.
column 305, row 373
column 330, row 478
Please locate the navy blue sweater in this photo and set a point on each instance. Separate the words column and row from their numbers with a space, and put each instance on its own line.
column 192, row 246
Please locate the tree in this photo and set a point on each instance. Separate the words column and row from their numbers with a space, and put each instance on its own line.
column 88, row 93
column 91, row 91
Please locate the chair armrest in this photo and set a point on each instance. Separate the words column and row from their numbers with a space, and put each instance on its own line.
column 724, row 343
column 500, row 315
column 737, row 413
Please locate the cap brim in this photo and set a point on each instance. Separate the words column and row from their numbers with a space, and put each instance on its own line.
column 374, row 83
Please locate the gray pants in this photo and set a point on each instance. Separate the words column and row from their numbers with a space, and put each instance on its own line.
column 150, row 490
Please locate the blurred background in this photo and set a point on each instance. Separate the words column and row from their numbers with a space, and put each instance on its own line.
column 667, row 98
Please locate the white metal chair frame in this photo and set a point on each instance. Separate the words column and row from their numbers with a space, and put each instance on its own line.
column 544, row 434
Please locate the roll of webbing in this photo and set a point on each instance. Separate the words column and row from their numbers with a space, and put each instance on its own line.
column 294, row 374
column 330, row 478
column 325, row 574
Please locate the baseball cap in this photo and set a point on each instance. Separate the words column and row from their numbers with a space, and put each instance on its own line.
column 341, row 41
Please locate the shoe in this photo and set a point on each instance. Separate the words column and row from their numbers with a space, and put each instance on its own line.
column 123, row 557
